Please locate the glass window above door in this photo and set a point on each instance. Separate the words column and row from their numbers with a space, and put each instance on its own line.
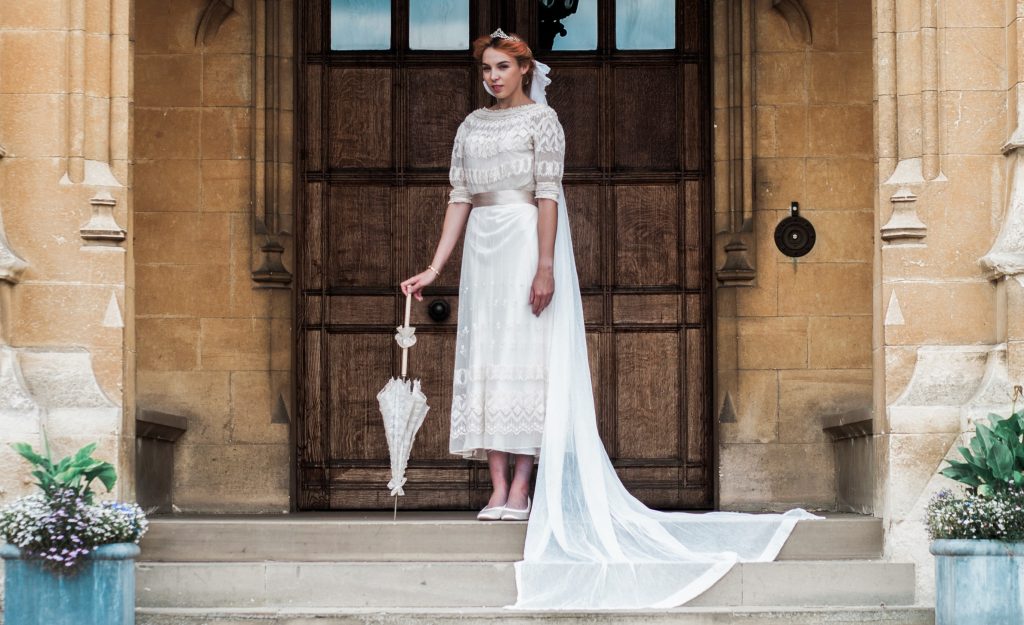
column 360, row 24
column 567, row 24
column 645, row 24
column 438, row 24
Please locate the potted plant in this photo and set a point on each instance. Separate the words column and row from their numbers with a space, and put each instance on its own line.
column 978, row 535
column 69, row 559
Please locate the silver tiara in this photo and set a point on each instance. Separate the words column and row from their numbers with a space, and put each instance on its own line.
column 501, row 33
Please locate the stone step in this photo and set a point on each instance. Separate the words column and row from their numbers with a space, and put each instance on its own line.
column 490, row 584
column 898, row 615
column 426, row 537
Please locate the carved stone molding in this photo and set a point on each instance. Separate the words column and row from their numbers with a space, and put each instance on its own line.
column 734, row 164
column 796, row 17
column 272, row 141
column 736, row 269
column 102, row 228
column 213, row 16
column 11, row 265
column 904, row 226
column 1006, row 258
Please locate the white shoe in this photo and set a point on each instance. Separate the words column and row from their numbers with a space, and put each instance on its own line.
column 494, row 513
column 511, row 514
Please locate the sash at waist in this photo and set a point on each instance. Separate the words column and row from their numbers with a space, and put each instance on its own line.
column 503, row 196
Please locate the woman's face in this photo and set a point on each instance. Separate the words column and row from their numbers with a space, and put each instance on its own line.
column 503, row 75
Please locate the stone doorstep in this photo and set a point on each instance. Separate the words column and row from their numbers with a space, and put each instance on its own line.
column 427, row 537
column 896, row 615
column 304, row 585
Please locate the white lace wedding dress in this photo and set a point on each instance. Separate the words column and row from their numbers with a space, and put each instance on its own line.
column 501, row 346
column 523, row 383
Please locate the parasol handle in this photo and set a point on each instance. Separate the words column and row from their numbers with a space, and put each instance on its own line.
column 405, row 350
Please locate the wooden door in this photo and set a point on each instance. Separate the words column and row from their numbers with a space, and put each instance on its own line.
column 375, row 126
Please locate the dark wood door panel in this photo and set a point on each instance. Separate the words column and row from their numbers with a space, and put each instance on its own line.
column 375, row 134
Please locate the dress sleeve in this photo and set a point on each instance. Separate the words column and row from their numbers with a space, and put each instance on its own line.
column 548, row 154
column 457, row 173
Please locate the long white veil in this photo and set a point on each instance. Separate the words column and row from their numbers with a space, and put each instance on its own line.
column 589, row 543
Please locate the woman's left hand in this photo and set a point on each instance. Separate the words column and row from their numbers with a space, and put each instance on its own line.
column 542, row 290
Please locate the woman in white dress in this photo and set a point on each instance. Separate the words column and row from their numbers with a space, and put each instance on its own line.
column 589, row 543
column 507, row 163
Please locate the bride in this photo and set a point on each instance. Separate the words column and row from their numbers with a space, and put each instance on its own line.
column 522, row 386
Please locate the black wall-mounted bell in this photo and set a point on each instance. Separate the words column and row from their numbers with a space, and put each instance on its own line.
column 794, row 236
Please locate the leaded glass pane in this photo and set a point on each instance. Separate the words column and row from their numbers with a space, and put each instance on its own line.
column 360, row 24
column 438, row 24
column 645, row 24
column 568, row 24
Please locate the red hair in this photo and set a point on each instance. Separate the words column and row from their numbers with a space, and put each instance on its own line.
column 515, row 49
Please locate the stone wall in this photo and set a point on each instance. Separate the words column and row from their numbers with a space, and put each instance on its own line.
column 212, row 345
column 951, row 247
column 66, row 301
column 794, row 343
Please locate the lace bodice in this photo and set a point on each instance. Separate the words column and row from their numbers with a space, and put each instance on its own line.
column 522, row 147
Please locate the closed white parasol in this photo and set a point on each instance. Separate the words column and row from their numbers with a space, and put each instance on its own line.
column 404, row 407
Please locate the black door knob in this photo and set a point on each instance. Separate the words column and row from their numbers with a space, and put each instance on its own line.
column 439, row 310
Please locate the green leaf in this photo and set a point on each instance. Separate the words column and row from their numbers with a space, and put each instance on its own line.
column 984, row 433
column 979, row 448
column 985, row 490
column 1001, row 460
column 966, row 453
column 68, row 476
column 108, row 476
column 28, row 453
column 85, row 452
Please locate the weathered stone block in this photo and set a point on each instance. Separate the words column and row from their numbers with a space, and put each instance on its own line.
column 226, row 185
column 226, row 79
column 33, row 124
column 839, row 342
column 805, row 397
column 167, row 185
column 772, row 343
column 174, row 290
column 840, row 130
column 167, row 344
column 791, row 130
column 33, row 61
column 168, row 80
column 203, row 397
column 842, row 236
column 163, row 28
column 756, row 402
column 166, row 133
column 777, row 181
column 235, row 344
column 973, row 59
column 780, row 78
column 825, row 289
column 231, row 478
column 977, row 121
column 841, row 78
column 254, row 398
column 943, row 313
column 227, row 133
column 786, row 475
column 182, row 238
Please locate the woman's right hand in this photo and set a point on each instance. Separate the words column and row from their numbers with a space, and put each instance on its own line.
column 416, row 283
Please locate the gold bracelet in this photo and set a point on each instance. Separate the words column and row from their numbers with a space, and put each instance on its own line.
column 431, row 267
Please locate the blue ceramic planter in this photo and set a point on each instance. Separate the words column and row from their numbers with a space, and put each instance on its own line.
column 978, row 582
column 102, row 592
